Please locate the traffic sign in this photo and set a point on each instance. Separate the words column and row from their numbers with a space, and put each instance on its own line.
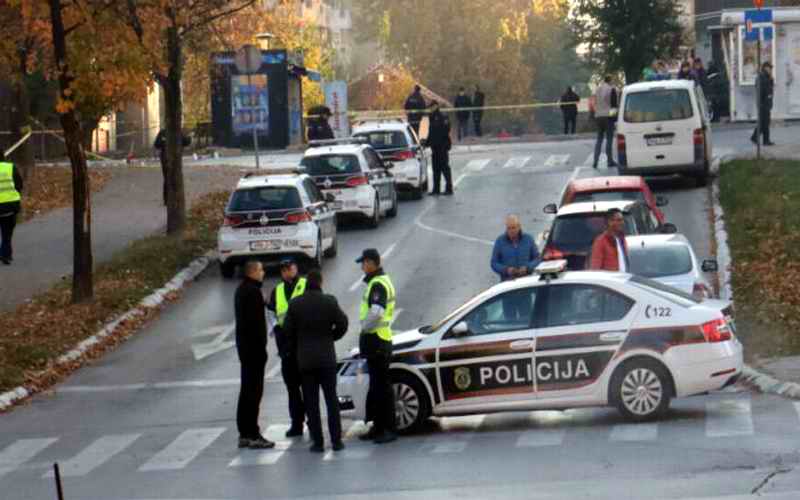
column 755, row 21
column 248, row 59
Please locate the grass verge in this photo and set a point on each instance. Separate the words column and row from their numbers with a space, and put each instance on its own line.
column 762, row 216
column 50, row 188
column 38, row 332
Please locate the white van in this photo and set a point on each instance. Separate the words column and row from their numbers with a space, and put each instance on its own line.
column 664, row 128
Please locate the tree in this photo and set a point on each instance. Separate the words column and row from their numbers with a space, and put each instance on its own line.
column 628, row 35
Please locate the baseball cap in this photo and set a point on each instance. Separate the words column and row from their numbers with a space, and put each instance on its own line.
column 369, row 254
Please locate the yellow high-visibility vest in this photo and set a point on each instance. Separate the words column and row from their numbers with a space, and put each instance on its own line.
column 384, row 328
column 8, row 193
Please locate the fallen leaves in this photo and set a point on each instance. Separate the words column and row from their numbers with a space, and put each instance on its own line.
column 49, row 188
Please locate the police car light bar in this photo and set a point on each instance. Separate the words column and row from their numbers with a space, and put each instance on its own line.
column 551, row 267
column 289, row 170
column 337, row 142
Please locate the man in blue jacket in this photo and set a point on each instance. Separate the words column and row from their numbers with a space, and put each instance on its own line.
column 515, row 255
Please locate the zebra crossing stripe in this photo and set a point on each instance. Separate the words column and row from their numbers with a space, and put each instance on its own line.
column 95, row 455
column 556, row 160
column 183, row 449
column 357, row 453
column 448, row 447
column 250, row 458
column 20, row 452
column 634, row 432
column 730, row 417
column 601, row 162
column 541, row 437
column 478, row 165
column 517, row 162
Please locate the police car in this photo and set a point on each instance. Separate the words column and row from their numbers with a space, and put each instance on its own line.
column 558, row 340
column 355, row 174
column 278, row 214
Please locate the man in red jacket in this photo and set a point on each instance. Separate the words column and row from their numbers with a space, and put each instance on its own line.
column 609, row 250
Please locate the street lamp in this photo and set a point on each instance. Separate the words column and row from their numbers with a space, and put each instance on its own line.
column 265, row 37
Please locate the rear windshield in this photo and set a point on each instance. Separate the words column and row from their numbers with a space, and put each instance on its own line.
column 658, row 262
column 658, row 106
column 265, row 198
column 609, row 196
column 669, row 293
column 331, row 164
column 383, row 140
column 575, row 233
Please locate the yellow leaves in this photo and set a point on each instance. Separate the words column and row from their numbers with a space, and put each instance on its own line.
column 64, row 105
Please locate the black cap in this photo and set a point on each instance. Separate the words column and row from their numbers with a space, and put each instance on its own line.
column 286, row 262
column 369, row 254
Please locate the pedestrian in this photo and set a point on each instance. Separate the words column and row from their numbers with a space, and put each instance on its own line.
column 375, row 344
column 515, row 255
column 766, row 88
column 290, row 287
column 478, row 101
column 685, row 73
column 10, row 204
column 700, row 74
column 605, row 99
column 415, row 103
column 314, row 322
column 440, row 144
column 462, row 101
column 161, row 145
column 609, row 250
column 569, row 108
column 319, row 128
column 251, row 346
column 662, row 73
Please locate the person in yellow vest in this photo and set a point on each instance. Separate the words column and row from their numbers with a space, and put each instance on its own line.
column 290, row 287
column 10, row 197
column 375, row 344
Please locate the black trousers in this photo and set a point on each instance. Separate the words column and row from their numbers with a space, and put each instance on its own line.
column 765, row 118
column 7, row 225
column 441, row 166
column 605, row 130
column 476, row 120
column 250, row 393
column 380, row 397
column 570, row 124
column 312, row 381
column 463, row 128
column 293, row 381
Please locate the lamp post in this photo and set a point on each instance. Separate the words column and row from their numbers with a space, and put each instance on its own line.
column 264, row 37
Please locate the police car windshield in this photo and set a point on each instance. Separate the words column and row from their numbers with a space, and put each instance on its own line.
column 385, row 140
column 609, row 196
column 657, row 262
column 576, row 233
column 331, row 164
column 474, row 301
column 265, row 198
column 672, row 294
column 658, row 106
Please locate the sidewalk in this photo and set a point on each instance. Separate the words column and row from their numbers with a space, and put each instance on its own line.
column 129, row 208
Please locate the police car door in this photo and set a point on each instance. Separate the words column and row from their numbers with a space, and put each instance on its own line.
column 420, row 154
column 486, row 358
column 380, row 179
column 583, row 326
column 321, row 213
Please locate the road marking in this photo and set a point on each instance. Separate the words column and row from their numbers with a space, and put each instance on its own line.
column 797, row 408
column 602, row 161
column 20, row 452
column 556, row 160
column 358, row 453
column 477, row 165
column 273, row 372
column 261, row 457
column 203, row 350
column 517, row 162
column 95, row 455
column 385, row 255
column 449, row 447
column 634, row 432
column 183, row 450
column 730, row 417
column 181, row 384
column 541, row 437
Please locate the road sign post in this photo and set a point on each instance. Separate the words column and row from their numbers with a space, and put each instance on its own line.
column 248, row 61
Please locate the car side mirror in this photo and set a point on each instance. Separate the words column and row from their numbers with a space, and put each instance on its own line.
column 662, row 201
column 550, row 208
column 668, row 228
column 460, row 329
column 329, row 197
column 710, row 266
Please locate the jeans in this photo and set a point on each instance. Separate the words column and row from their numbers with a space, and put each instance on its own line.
column 312, row 381
column 7, row 225
column 605, row 129
column 380, row 397
column 293, row 381
column 250, row 394
column 570, row 123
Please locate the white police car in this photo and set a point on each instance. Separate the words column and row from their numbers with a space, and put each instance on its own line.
column 396, row 141
column 556, row 341
column 355, row 174
column 274, row 215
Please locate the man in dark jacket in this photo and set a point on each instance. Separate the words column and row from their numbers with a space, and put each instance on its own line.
column 251, row 345
column 319, row 128
column 10, row 198
column 313, row 323
column 766, row 89
column 569, row 108
column 414, row 104
column 478, row 100
column 161, row 145
column 439, row 142
column 462, row 101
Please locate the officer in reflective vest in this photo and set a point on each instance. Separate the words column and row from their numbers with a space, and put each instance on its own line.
column 375, row 344
column 10, row 189
column 290, row 287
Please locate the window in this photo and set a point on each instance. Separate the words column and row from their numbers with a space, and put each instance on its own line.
column 665, row 291
column 505, row 313
column 265, row 198
column 657, row 262
column 385, row 140
column 314, row 194
column 609, row 196
column 373, row 161
column 583, row 304
column 658, row 106
column 575, row 233
column 331, row 164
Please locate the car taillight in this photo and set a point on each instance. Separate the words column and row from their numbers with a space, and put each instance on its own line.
column 359, row 180
column 232, row 220
column 699, row 139
column 403, row 155
column 551, row 253
column 701, row 291
column 298, row 217
column 622, row 151
column 716, row 331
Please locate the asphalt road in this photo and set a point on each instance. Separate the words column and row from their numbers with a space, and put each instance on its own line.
column 155, row 418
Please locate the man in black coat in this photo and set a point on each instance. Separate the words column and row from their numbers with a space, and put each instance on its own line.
column 462, row 101
column 569, row 108
column 319, row 128
column 766, row 89
column 478, row 100
column 440, row 144
column 313, row 323
column 10, row 189
column 251, row 345
column 414, row 104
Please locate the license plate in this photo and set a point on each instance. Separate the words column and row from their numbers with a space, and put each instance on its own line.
column 659, row 141
column 265, row 245
column 264, row 231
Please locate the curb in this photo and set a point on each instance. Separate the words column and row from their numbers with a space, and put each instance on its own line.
column 762, row 382
column 154, row 300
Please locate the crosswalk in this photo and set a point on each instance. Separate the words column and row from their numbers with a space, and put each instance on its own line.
column 530, row 163
column 726, row 419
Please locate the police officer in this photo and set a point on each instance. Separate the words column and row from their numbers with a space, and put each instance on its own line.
column 10, row 189
column 375, row 344
column 440, row 144
column 291, row 287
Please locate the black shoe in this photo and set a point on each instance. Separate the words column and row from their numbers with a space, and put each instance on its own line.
column 244, row 442
column 295, row 431
column 338, row 446
column 612, row 165
column 385, row 437
column 753, row 140
column 770, row 143
column 595, row 167
column 6, row 261
column 433, row 193
column 261, row 443
column 317, row 448
column 448, row 193
column 369, row 435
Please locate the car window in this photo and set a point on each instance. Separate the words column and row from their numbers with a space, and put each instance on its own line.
column 373, row 161
column 583, row 304
column 572, row 233
column 608, row 196
column 331, row 164
column 265, row 198
column 385, row 139
column 314, row 194
column 504, row 313
column 658, row 106
column 644, row 221
column 665, row 291
column 658, row 262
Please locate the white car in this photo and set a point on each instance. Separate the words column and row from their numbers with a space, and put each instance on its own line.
column 397, row 142
column 275, row 215
column 670, row 259
column 556, row 341
column 355, row 175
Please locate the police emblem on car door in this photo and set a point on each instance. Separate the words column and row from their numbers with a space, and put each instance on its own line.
column 488, row 354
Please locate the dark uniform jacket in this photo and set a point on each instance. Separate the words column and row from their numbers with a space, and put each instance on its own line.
column 439, row 132
column 251, row 322
column 320, row 130
column 415, row 102
column 12, row 208
column 284, row 346
column 766, row 89
column 569, row 103
column 462, row 101
column 478, row 101
column 313, row 323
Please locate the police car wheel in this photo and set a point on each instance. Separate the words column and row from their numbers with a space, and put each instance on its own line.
column 641, row 389
column 375, row 220
column 317, row 262
column 412, row 407
column 334, row 248
column 393, row 211
column 227, row 269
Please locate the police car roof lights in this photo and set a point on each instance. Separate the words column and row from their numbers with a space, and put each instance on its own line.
column 338, row 142
column 551, row 267
column 294, row 170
